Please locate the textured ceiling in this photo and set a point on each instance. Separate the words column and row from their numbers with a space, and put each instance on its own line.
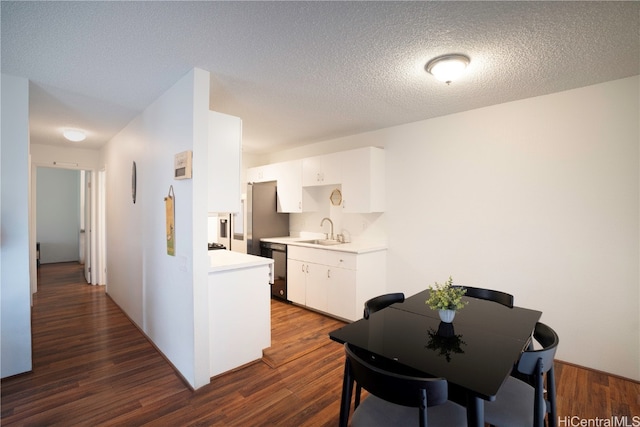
column 301, row 72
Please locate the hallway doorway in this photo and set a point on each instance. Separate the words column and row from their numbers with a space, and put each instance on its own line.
column 68, row 220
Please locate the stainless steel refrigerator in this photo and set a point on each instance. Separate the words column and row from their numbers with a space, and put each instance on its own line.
column 263, row 219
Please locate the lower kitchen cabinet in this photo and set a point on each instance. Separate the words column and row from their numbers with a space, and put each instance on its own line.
column 296, row 280
column 341, row 293
column 307, row 283
column 317, row 282
column 334, row 282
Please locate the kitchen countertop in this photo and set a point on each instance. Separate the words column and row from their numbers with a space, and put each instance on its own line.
column 353, row 247
column 222, row 260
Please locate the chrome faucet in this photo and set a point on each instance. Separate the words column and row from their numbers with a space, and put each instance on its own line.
column 331, row 224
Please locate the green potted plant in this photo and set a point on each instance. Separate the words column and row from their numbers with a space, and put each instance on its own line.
column 447, row 299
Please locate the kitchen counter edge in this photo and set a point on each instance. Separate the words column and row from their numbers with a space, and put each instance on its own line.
column 357, row 248
column 224, row 260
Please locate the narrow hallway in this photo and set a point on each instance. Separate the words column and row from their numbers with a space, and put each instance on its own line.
column 93, row 367
column 90, row 363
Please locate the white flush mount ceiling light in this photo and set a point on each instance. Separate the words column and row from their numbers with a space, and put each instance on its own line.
column 74, row 135
column 447, row 68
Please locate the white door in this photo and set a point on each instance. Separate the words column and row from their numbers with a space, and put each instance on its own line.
column 98, row 231
column 85, row 223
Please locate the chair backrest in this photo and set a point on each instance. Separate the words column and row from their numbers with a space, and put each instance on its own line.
column 530, row 359
column 534, row 364
column 489, row 294
column 419, row 392
column 380, row 302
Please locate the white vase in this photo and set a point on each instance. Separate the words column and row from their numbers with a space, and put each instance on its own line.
column 447, row 315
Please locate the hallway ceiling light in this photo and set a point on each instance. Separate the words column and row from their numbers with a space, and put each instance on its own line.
column 447, row 68
column 74, row 135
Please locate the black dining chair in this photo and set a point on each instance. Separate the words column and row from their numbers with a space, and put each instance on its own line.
column 380, row 302
column 520, row 402
column 488, row 294
column 395, row 399
column 371, row 306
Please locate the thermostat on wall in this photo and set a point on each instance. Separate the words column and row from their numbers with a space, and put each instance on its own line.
column 182, row 165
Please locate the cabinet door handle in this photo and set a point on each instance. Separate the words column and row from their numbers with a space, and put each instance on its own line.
column 328, row 274
column 302, row 268
column 307, row 268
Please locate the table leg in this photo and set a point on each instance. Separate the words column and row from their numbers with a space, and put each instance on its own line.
column 475, row 411
column 345, row 402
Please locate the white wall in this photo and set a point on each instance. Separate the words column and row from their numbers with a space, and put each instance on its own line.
column 166, row 296
column 15, row 295
column 65, row 157
column 355, row 227
column 538, row 197
column 58, row 214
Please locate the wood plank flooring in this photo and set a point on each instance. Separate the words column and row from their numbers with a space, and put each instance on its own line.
column 92, row 367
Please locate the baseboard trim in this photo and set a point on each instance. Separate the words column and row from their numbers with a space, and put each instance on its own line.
column 182, row 378
column 598, row 371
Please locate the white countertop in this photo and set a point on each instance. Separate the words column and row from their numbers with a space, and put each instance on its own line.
column 353, row 247
column 221, row 260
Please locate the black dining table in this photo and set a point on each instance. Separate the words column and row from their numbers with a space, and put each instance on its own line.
column 475, row 353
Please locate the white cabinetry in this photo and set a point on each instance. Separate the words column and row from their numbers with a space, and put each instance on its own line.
column 306, row 276
column 361, row 173
column 341, row 294
column 317, row 282
column 296, row 280
column 261, row 173
column 292, row 197
column 334, row 282
column 363, row 180
column 225, row 142
column 239, row 316
column 321, row 170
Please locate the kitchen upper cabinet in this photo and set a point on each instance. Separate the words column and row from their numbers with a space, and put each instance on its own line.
column 321, row 170
column 363, row 180
column 225, row 145
column 292, row 197
column 361, row 172
column 262, row 173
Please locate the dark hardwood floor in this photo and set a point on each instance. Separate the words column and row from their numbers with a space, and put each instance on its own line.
column 92, row 367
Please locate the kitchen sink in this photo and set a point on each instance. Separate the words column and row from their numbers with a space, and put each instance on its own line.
column 323, row 242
